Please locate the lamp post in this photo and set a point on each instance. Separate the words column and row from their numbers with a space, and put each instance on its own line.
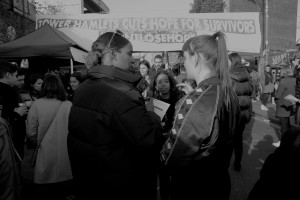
column 266, row 29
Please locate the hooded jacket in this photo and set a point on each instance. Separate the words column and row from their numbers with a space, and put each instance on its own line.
column 113, row 140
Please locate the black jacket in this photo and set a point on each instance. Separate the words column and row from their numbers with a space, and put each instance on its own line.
column 243, row 87
column 113, row 140
column 10, row 179
column 9, row 99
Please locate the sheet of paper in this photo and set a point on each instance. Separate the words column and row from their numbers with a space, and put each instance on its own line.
column 160, row 108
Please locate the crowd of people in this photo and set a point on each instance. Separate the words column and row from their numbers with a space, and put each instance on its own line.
column 96, row 138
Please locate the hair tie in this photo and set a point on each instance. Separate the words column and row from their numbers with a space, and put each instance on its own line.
column 216, row 35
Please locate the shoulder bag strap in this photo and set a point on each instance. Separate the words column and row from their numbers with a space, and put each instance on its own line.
column 44, row 133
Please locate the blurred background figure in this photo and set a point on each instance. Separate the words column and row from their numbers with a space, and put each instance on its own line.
column 75, row 80
column 144, row 84
column 284, row 107
column 267, row 87
column 34, row 87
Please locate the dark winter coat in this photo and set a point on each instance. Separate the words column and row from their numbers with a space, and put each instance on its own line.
column 243, row 87
column 10, row 179
column 286, row 86
column 9, row 99
column 280, row 174
column 113, row 140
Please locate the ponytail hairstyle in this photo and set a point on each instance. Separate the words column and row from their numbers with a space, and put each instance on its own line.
column 214, row 52
column 105, row 42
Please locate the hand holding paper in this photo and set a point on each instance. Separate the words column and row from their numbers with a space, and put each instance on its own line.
column 291, row 98
column 157, row 106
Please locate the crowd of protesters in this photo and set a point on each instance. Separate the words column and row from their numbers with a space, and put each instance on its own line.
column 94, row 136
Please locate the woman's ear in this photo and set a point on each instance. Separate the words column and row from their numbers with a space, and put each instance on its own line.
column 195, row 59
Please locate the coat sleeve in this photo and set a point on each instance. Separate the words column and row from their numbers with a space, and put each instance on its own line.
column 280, row 90
column 32, row 121
column 137, row 125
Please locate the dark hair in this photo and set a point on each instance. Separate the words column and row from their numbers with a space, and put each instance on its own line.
column 174, row 91
column 100, row 47
column 33, row 78
column 21, row 72
column 53, row 88
column 235, row 59
column 214, row 51
column 78, row 76
column 7, row 67
column 146, row 63
column 158, row 56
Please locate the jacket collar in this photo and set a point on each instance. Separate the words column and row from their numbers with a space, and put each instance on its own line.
column 112, row 72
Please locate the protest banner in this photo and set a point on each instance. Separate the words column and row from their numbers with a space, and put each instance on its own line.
column 163, row 32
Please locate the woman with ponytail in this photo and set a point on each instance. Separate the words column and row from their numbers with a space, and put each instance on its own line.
column 200, row 144
column 113, row 140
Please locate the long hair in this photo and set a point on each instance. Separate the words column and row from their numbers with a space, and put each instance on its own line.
column 102, row 45
column 174, row 91
column 214, row 51
column 53, row 88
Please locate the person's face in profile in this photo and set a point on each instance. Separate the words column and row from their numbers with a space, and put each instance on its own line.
column 124, row 57
column 158, row 62
column 38, row 85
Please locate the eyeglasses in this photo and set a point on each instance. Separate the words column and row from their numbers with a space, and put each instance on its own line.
column 112, row 37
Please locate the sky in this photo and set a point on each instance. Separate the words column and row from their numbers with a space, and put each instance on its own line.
column 140, row 6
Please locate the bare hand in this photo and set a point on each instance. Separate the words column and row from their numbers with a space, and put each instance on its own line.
column 186, row 87
column 22, row 110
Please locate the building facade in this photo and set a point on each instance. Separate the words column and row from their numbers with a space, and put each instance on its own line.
column 281, row 23
column 17, row 18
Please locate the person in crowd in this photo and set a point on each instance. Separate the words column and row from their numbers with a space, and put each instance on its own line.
column 200, row 144
column 164, row 89
column 182, row 75
column 157, row 66
column 268, row 87
column 243, row 87
column 10, row 176
column 35, row 82
column 113, row 140
column 144, row 84
column 255, row 80
column 12, row 112
column 21, row 73
column 75, row 80
column 297, row 92
column 284, row 107
column 280, row 173
column 47, row 124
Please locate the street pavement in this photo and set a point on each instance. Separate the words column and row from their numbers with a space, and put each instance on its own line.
column 260, row 133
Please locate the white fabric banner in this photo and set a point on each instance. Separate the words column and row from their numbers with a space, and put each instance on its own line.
column 163, row 32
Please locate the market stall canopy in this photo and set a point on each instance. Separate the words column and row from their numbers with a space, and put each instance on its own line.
column 45, row 41
column 160, row 31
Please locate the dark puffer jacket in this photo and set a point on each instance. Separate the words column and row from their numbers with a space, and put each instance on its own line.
column 243, row 87
column 113, row 140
